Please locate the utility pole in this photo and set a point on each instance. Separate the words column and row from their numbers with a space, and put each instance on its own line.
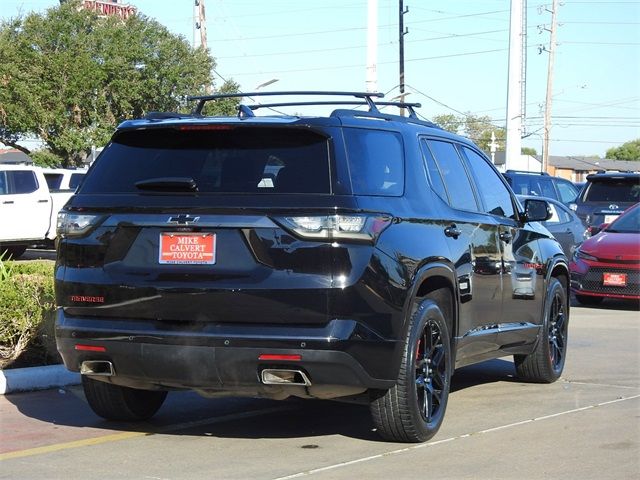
column 547, row 105
column 372, row 46
column 201, row 23
column 402, row 33
column 515, row 85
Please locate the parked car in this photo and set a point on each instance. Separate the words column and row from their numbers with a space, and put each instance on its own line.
column 606, row 196
column 564, row 225
column 28, row 209
column 64, row 178
column 607, row 265
column 542, row 185
column 369, row 266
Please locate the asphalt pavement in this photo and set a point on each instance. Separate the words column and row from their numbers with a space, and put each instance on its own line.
column 586, row 425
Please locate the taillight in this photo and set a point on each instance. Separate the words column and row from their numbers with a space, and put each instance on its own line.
column 354, row 227
column 72, row 224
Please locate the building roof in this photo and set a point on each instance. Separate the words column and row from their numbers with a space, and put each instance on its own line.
column 14, row 156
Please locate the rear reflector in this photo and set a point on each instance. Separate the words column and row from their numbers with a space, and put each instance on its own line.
column 270, row 356
column 90, row 348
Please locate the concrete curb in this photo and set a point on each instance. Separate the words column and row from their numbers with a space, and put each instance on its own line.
column 36, row 378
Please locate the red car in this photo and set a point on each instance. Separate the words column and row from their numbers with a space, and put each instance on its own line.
column 607, row 265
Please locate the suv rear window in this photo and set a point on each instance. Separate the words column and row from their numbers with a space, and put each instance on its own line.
column 613, row 191
column 219, row 159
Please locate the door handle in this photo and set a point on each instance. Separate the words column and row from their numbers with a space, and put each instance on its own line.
column 43, row 201
column 8, row 202
column 452, row 231
column 506, row 237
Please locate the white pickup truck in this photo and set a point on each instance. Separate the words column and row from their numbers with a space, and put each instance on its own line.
column 28, row 209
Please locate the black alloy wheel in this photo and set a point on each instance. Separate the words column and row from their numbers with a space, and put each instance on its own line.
column 557, row 335
column 413, row 410
column 546, row 362
column 431, row 372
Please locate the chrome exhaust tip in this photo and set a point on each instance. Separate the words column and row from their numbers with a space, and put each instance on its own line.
column 97, row 367
column 282, row 376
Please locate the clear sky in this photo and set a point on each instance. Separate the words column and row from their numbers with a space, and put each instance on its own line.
column 456, row 56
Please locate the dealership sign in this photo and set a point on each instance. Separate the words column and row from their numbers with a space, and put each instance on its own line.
column 109, row 8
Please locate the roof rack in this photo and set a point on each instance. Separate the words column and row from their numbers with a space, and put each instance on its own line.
column 526, row 172
column 247, row 110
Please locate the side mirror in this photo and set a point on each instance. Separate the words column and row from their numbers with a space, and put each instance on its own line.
column 536, row 210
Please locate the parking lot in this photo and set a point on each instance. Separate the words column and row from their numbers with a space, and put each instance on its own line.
column 584, row 426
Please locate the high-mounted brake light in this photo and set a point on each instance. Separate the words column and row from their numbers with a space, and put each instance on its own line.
column 355, row 227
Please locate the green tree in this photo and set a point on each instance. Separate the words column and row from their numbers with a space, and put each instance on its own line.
column 528, row 151
column 69, row 77
column 627, row 151
column 448, row 121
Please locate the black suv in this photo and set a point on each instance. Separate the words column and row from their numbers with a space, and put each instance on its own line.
column 605, row 196
column 542, row 185
column 361, row 255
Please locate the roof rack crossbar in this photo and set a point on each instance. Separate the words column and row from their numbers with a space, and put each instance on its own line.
column 338, row 102
column 368, row 96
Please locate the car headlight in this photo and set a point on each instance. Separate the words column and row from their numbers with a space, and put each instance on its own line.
column 585, row 256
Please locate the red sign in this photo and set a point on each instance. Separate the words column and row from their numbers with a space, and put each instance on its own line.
column 107, row 8
column 187, row 248
column 615, row 279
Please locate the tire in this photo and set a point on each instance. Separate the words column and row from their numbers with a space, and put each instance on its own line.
column 13, row 252
column 589, row 300
column 115, row 402
column 546, row 362
column 413, row 410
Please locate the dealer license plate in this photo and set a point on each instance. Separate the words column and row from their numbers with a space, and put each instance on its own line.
column 187, row 248
column 610, row 218
column 614, row 279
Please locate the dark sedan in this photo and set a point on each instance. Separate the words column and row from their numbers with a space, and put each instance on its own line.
column 564, row 225
column 608, row 264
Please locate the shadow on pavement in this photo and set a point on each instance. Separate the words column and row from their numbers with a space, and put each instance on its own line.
column 66, row 412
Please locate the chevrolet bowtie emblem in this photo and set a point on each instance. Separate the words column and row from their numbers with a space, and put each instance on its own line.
column 183, row 220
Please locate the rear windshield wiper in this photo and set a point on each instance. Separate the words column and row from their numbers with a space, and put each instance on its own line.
column 168, row 184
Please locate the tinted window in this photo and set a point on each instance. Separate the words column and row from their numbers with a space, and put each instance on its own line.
column 567, row 190
column 627, row 223
column 494, row 193
column 4, row 187
column 376, row 162
column 53, row 180
column 22, row 181
column 613, row 191
column 220, row 159
column 75, row 180
column 454, row 175
column 435, row 178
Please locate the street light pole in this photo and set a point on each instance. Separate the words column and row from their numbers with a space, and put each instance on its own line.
column 547, row 105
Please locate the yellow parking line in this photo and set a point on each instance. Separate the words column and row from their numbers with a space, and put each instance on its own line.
column 115, row 437
column 75, row 444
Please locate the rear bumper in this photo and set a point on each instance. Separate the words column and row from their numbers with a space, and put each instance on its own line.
column 225, row 357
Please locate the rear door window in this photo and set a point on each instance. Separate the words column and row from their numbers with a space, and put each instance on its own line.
column 21, row 182
column 454, row 175
column 218, row 158
column 376, row 162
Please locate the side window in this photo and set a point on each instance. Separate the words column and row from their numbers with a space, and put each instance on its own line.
column 4, row 188
column 495, row 195
column 568, row 192
column 555, row 215
column 376, row 162
column 546, row 186
column 24, row 181
column 435, row 177
column 454, row 175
